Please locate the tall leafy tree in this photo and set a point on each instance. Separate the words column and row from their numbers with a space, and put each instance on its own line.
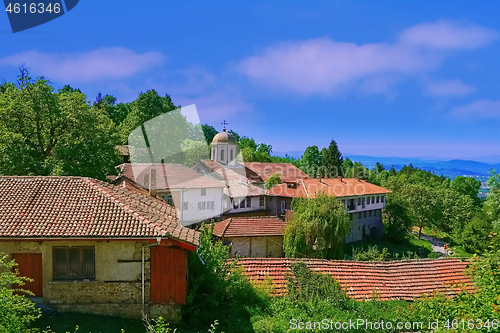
column 425, row 205
column 318, row 228
column 331, row 161
column 311, row 161
column 146, row 107
column 47, row 133
column 209, row 132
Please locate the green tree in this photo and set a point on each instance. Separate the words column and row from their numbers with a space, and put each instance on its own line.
column 318, row 228
column 467, row 186
column 146, row 107
column 194, row 151
column 331, row 161
column 272, row 181
column 16, row 312
column 48, row 133
column 397, row 218
column 424, row 205
column 311, row 161
column 209, row 132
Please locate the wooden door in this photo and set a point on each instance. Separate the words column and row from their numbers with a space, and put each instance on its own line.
column 30, row 265
column 168, row 275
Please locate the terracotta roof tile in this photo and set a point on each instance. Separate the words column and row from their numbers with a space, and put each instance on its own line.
column 403, row 279
column 51, row 207
column 256, row 171
column 337, row 187
column 250, row 226
column 168, row 175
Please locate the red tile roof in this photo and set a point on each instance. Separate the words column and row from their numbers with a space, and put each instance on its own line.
column 64, row 207
column 250, row 226
column 338, row 187
column 287, row 171
column 403, row 279
column 174, row 176
column 237, row 190
column 257, row 171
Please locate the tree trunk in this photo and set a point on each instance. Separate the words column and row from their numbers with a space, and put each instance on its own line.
column 420, row 232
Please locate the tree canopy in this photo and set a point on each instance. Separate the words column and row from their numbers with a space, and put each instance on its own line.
column 43, row 132
column 318, row 228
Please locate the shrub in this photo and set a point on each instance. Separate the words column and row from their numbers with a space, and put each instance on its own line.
column 16, row 312
column 217, row 286
column 433, row 255
column 372, row 254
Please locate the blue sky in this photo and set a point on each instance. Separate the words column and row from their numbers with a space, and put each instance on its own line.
column 384, row 78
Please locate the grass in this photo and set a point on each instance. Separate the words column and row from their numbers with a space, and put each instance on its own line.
column 411, row 244
column 67, row 322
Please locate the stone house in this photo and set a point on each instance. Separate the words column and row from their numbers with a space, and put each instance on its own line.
column 93, row 247
column 260, row 236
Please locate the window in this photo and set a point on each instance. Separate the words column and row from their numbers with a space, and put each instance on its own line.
column 367, row 201
column 242, row 203
column 167, row 198
column 249, row 202
column 210, row 205
column 231, row 155
column 283, row 207
column 261, row 201
column 359, row 201
column 185, row 205
column 382, row 199
column 359, row 215
column 378, row 199
column 203, row 191
column 201, row 205
column 373, row 200
column 222, row 155
column 74, row 263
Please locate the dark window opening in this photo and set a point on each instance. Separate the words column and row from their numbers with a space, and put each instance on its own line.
column 74, row 263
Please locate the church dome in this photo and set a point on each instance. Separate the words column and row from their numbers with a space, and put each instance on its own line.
column 224, row 137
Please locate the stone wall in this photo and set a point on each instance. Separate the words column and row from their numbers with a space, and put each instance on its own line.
column 257, row 247
column 117, row 288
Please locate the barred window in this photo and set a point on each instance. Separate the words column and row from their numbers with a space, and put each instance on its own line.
column 261, row 201
column 74, row 263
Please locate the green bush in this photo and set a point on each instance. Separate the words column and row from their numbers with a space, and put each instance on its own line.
column 16, row 312
column 217, row 288
column 433, row 255
column 372, row 254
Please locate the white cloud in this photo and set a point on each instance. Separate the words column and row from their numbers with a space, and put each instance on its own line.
column 485, row 108
column 448, row 35
column 103, row 63
column 448, row 88
column 324, row 66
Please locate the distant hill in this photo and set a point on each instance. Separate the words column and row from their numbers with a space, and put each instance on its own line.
column 451, row 169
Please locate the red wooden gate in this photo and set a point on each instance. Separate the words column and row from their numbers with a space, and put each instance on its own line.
column 168, row 275
column 30, row 265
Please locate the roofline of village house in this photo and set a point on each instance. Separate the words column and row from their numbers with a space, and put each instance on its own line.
column 187, row 246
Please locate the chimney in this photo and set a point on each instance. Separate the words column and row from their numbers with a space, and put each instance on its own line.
column 340, row 178
column 152, row 184
column 357, row 178
column 319, row 178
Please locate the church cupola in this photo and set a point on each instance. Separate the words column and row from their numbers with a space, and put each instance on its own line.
column 224, row 147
